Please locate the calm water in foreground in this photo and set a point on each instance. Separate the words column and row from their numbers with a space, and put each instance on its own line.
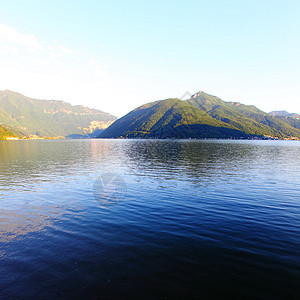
column 126, row 219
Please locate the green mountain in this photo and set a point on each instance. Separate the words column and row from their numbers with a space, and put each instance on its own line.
column 5, row 133
column 290, row 118
column 202, row 116
column 49, row 117
column 247, row 118
column 171, row 118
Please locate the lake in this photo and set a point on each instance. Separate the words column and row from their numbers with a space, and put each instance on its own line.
column 149, row 219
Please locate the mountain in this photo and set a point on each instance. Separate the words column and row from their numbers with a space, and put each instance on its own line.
column 171, row 118
column 201, row 116
column 92, row 135
column 5, row 133
column 284, row 113
column 247, row 118
column 49, row 117
column 290, row 118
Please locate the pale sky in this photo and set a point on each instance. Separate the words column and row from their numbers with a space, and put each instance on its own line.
column 117, row 55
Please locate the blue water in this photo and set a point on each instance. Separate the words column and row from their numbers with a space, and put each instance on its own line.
column 160, row 219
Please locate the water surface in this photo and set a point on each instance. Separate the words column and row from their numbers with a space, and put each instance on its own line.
column 190, row 219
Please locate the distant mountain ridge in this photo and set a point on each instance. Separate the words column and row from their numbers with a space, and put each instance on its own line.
column 201, row 116
column 49, row 117
column 289, row 118
column 284, row 113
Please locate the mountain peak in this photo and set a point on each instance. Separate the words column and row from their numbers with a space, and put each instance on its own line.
column 201, row 116
column 198, row 94
column 170, row 118
column 5, row 91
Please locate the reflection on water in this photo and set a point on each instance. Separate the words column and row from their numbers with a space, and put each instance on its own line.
column 197, row 219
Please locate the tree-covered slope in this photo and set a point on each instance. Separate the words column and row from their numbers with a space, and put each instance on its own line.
column 247, row 118
column 171, row 118
column 292, row 119
column 49, row 117
column 294, row 122
column 5, row 133
column 202, row 116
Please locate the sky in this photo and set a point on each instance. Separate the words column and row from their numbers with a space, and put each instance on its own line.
column 117, row 55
